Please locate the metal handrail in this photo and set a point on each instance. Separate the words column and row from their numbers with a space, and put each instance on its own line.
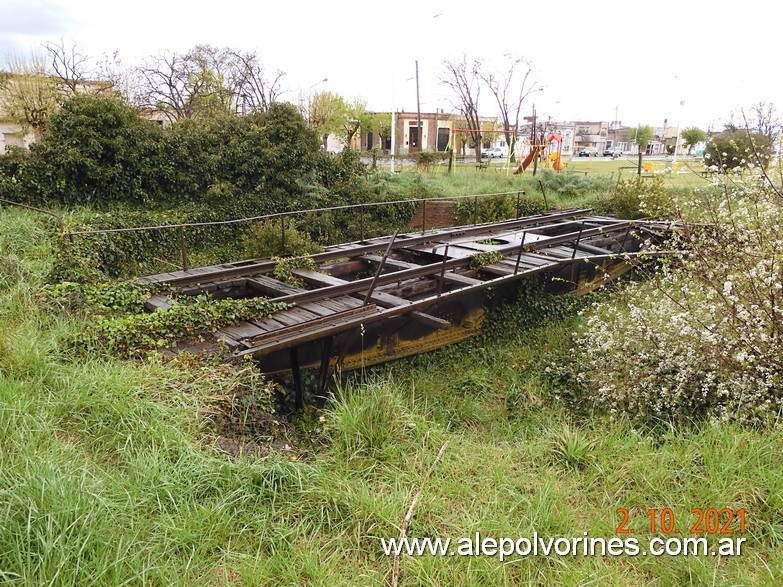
column 60, row 220
column 284, row 214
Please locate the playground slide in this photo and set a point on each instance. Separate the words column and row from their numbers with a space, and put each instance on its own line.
column 527, row 161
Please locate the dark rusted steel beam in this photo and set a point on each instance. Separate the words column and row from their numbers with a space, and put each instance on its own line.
column 348, row 250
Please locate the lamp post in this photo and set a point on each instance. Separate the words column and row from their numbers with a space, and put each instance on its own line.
column 677, row 142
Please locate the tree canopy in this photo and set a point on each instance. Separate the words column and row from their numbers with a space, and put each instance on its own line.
column 692, row 136
column 735, row 149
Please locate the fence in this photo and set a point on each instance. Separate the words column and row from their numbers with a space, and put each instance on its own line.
column 358, row 216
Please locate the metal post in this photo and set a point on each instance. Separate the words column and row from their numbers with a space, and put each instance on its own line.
column 361, row 223
column 183, row 248
column 519, row 254
column 625, row 238
column 378, row 271
column 578, row 238
column 282, row 230
column 297, row 377
column 543, row 191
column 323, row 375
column 443, row 270
column 423, row 216
column 475, row 210
column 518, row 204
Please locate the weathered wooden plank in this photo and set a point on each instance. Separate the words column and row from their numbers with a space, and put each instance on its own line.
column 239, row 331
column 341, row 303
column 313, row 330
column 450, row 277
column 316, row 308
column 272, row 286
column 391, row 263
column 289, row 319
column 318, row 278
column 268, row 323
column 301, row 314
column 158, row 302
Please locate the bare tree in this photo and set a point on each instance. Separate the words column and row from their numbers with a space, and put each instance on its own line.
column 464, row 81
column 510, row 88
column 254, row 90
column 207, row 80
column 187, row 86
column 69, row 66
column 764, row 120
column 119, row 78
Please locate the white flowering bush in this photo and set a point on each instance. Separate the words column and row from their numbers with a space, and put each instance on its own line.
column 703, row 335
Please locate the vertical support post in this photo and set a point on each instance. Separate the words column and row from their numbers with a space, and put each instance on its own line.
column 423, row 216
column 361, row 223
column 297, row 377
column 578, row 238
column 378, row 271
column 543, row 191
column 575, row 266
column 443, row 270
column 475, row 210
column 323, row 374
column 183, row 248
column 282, row 231
column 518, row 193
column 519, row 253
column 625, row 238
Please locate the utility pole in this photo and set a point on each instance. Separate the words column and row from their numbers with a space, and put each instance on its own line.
column 534, row 139
column 418, row 109
column 614, row 144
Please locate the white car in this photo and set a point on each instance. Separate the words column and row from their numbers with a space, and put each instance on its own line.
column 495, row 153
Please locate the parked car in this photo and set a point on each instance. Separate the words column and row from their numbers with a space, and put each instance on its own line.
column 612, row 152
column 495, row 153
column 588, row 152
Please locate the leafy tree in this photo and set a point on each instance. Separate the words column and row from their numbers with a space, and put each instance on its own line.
column 642, row 135
column 356, row 118
column 30, row 95
column 327, row 113
column 691, row 136
column 380, row 123
column 734, row 149
column 489, row 133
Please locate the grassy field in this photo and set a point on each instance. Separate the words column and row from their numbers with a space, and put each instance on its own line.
column 593, row 178
column 111, row 475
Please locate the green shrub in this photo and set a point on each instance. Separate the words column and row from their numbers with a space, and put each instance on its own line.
column 701, row 338
column 266, row 239
column 570, row 185
column 738, row 149
column 96, row 149
column 639, row 196
column 497, row 208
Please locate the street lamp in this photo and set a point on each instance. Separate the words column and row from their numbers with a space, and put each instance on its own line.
column 326, row 79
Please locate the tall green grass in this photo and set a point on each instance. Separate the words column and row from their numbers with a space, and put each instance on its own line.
column 109, row 474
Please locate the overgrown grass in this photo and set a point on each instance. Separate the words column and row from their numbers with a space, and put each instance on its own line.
column 108, row 476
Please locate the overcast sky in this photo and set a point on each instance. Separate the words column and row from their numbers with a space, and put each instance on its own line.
column 688, row 61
